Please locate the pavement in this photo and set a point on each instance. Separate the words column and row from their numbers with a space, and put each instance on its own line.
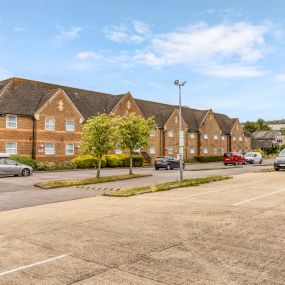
column 19, row 192
column 227, row 232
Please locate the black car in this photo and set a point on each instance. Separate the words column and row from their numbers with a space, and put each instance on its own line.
column 167, row 162
column 279, row 162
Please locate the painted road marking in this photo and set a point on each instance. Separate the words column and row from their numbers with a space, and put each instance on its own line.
column 31, row 265
column 258, row 197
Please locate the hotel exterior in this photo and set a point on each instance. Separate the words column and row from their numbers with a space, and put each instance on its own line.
column 44, row 121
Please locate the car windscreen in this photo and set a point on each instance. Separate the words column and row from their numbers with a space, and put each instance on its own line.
column 250, row 154
column 228, row 155
column 160, row 159
column 282, row 153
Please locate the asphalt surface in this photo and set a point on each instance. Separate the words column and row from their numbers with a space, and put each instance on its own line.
column 19, row 192
column 227, row 232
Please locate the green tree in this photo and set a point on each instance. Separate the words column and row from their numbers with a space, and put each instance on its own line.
column 250, row 126
column 259, row 125
column 134, row 133
column 99, row 136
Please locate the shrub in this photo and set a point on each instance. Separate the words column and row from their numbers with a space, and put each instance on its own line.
column 66, row 165
column 114, row 160
column 46, row 166
column 282, row 147
column 214, row 158
column 260, row 151
column 25, row 160
column 88, row 161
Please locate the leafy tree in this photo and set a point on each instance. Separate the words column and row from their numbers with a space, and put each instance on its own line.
column 99, row 136
column 259, row 125
column 134, row 133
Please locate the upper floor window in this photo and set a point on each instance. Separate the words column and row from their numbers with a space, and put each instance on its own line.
column 192, row 135
column 69, row 125
column 234, row 137
column 50, row 124
column 170, row 133
column 11, row 121
column 240, row 138
column 49, row 148
column 69, row 149
column 11, row 148
column 223, row 137
column 206, row 136
column 152, row 133
column 216, row 136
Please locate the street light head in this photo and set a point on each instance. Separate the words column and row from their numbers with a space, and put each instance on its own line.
column 183, row 83
column 176, row 82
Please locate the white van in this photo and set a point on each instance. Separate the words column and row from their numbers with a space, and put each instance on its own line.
column 253, row 157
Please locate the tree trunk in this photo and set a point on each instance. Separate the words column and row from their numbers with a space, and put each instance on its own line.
column 99, row 166
column 131, row 163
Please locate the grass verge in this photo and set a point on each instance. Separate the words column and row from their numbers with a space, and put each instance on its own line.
column 166, row 186
column 213, row 168
column 86, row 181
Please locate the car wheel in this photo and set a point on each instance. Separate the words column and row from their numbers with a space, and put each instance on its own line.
column 277, row 169
column 157, row 168
column 168, row 167
column 225, row 164
column 260, row 162
column 26, row 172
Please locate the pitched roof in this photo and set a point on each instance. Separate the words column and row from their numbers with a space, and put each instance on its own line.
column 266, row 135
column 24, row 97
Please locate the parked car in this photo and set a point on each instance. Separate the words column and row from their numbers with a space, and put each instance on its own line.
column 13, row 168
column 279, row 162
column 167, row 162
column 233, row 158
column 253, row 157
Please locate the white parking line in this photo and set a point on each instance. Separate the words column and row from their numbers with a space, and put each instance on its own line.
column 258, row 197
column 31, row 265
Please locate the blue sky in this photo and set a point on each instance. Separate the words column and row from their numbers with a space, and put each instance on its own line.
column 230, row 52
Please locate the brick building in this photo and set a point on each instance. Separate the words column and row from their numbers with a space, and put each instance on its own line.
column 45, row 120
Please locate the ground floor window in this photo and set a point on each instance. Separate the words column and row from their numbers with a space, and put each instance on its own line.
column 205, row 150
column 49, row 149
column 69, row 149
column 192, row 150
column 170, row 150
column 118, row 150
column 215, row 151
column 152, row 149
column 11, row 147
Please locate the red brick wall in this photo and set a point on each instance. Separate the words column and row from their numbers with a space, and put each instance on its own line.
column 240, row 143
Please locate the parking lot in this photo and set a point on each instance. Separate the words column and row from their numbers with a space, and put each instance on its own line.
column 228, row 232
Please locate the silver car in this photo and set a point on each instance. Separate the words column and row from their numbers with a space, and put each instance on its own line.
column 11, row 167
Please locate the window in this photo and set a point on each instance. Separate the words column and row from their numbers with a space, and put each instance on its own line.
column 152, row 133
column 192, row 135
column 11, row 121
column 69, row 125
column 69, row 149
column 234, row 137
column 240, row 138
column 50, row 124
column 170, row 150
column 222, row 150
column 223, row 137
column 192, row 150
column 246, row 139
column 11, row 147
column 205, row 150
column 152, row 149
column 215, row 151
column 206, row 136
column 118, row 150
column 170, row 133
column 216, row 136
column 49, row 149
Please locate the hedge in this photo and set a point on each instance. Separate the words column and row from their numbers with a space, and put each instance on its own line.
column 213, row 158
column 88, row 161
column 25, row 160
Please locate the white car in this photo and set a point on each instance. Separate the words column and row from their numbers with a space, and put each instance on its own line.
column 253, row 157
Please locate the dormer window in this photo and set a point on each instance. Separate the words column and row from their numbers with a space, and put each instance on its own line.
column 11, row 122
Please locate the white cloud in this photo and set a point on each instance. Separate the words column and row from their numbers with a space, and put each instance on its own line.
column 140, row 27
column 66, row 34
column 88, row 55
column 280, row 77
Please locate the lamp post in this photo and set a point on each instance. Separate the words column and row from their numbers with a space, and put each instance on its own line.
column 181, row 133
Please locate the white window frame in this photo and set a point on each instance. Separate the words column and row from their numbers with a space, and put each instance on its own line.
column 192, row 149
column 216, row 136
column 170, row 150
column 206, row 136
column 49, row 148
column 192, row 135
column 215, row 151
column 118, row 150
column 234, row 138
column 170, row 133
column 67, row 126
column 47, row 125
column 8, row 149
column 152, row 133
column 240, row 138
column 152, row 149
column 66, row 149
column 10, row 124
column 205, row 150
column 223, row 137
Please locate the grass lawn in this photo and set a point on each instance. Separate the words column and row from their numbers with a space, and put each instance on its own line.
column 86, row 181
column 166, row 186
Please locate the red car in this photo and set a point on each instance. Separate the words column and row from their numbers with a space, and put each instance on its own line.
column 233, row 158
